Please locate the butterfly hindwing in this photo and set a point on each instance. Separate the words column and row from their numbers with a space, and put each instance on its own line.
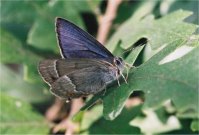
column 71, row 78
column 64, row 88
column 48, row 71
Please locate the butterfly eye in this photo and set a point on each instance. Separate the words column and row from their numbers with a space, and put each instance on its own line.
column 118, row 62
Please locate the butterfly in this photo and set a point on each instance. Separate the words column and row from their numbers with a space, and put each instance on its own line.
column 86, row 67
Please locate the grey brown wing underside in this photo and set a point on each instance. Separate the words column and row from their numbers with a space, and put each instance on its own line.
column 51, row 70
column 81, row 83
column 73, row 78
column 63, row 87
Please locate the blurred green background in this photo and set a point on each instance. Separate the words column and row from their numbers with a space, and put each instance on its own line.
column 28, row 36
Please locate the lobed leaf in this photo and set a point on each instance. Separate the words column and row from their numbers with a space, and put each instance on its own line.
column 159, row 32
column 168, row 75
column 160, row 82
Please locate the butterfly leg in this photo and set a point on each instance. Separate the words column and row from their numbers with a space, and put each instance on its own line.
column 118, row 82
column 127, row 73
column 104, row 91
column 128, row 66
column 118, row 79
column 124, row 78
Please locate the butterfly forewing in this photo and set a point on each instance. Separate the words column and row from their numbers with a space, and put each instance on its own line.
column 76, row 43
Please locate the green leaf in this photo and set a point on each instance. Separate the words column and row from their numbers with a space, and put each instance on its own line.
column 11, row 48
column 24, row 11
column 13, row 84
column 185, row 5
column 138, row 9
column 159, row 78
column 131, row 58
column 175, row 81
column 31, row 73
column 87, row 5
column 159, row 32
column 92, row 101
column 195, row 125
column 94, row 123
column 42, row 35
column 13, row 51
column 145, row 9
column 78, row 117
column 18, row 117
column 24, row 15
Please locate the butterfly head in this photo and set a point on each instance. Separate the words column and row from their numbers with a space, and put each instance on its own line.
column 119, row 63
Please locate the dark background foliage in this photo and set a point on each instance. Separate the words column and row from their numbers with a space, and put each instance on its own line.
column 167, row 90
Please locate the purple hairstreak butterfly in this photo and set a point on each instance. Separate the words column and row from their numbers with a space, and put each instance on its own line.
column 86, row 67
